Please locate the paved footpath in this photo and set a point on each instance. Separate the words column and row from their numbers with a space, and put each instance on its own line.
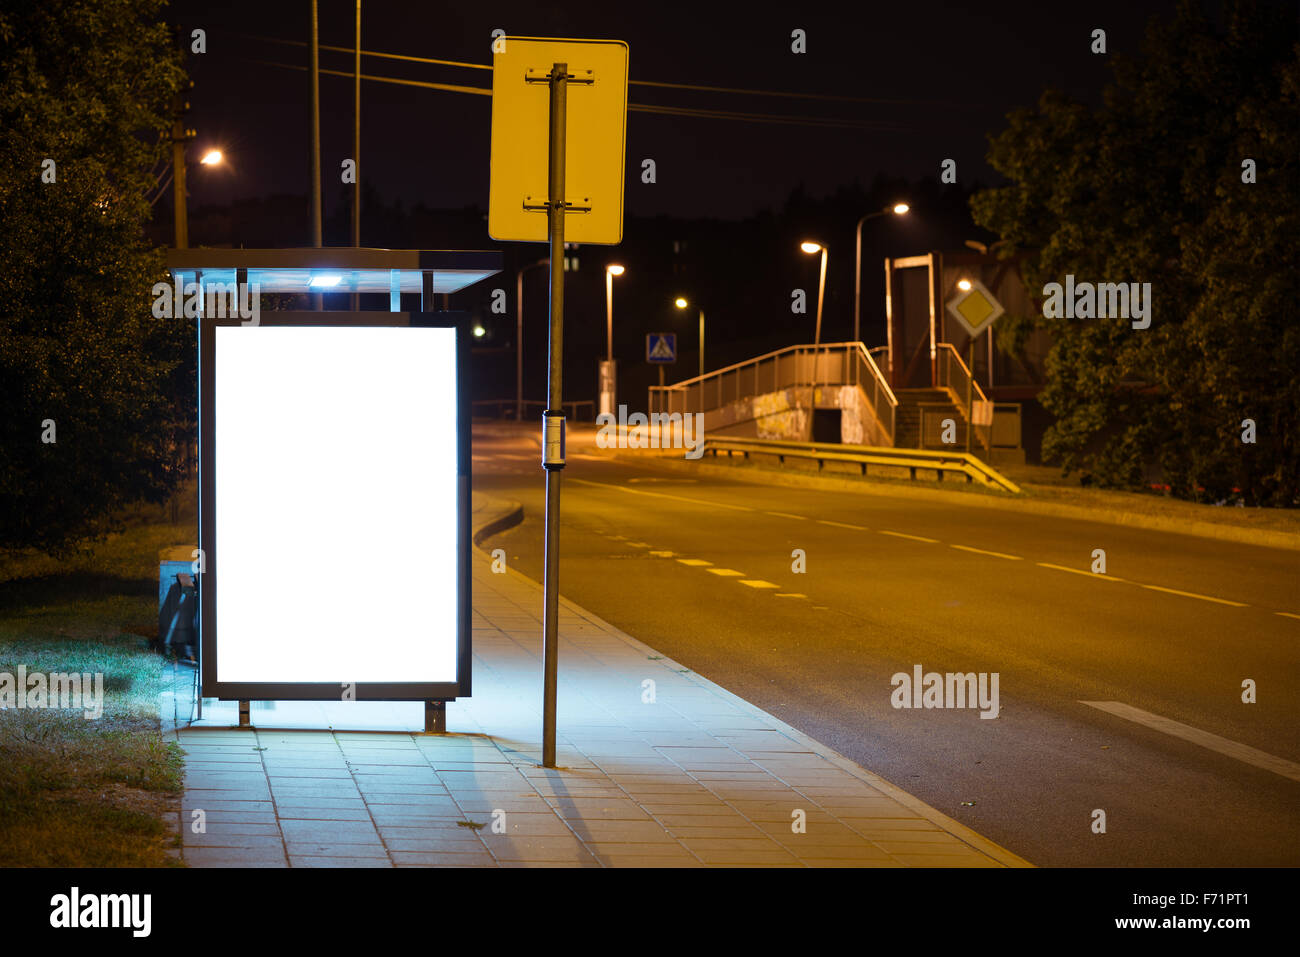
column 695, row 777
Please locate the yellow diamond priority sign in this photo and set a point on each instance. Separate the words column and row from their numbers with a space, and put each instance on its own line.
column 976, row 308
column 596, row 120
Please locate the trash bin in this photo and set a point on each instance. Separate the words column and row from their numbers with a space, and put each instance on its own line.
column 178, row 610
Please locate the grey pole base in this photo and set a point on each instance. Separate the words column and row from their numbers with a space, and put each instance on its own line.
column 245, row 719
column 435, row 717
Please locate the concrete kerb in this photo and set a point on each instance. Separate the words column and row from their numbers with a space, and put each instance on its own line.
column 1158, row 523
column 505, row 513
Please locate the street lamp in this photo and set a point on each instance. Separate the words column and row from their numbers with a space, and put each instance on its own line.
column 964, row 285
column 898, row 209
column 608, row 384
column 519, row 337
column 211, row 158
column 811, row 248
column 681, row 303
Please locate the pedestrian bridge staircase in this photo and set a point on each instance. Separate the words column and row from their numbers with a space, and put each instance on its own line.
column 836, row 392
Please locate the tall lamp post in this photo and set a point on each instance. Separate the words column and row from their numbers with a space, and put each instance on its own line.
column 681, row 303
column 898, row 209
column 812, row 248
column 607, row 381
column 964, row 285
column 519, row 337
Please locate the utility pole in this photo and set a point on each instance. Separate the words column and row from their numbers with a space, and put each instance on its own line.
column 356, row 150
column 313, row 198
column 180, row 137
column 356, row 135
column 313, row 195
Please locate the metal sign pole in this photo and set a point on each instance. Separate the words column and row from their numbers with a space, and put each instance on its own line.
column 970, row 393
column 553, row 458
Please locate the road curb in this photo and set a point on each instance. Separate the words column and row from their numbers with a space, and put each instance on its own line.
column 1245, row 536
column 510, row 513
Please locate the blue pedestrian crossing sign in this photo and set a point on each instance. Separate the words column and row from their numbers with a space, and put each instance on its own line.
column 661, row 347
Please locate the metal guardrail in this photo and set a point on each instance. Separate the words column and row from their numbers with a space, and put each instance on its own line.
column 969, row 465
column 505, row 408
column 800, row 366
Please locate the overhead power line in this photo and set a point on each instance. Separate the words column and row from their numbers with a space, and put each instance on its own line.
column 828, row 97
column 776, row 118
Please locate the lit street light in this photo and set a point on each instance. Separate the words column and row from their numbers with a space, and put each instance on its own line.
column 811, row 248
column 211, row 158
column 898, row 209
column 681, row 303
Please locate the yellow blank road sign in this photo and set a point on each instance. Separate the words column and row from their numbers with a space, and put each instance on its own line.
column 595, row 141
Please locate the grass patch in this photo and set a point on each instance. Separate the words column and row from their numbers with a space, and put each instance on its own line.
column 77, row 791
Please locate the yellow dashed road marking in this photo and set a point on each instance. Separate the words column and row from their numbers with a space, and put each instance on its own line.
column 915, row 538
column 726, row 572
column 791, row 594
column 694, row 561
column 1286, row 614
column 757, row 583
column 662, row 554
column 1079, row 571
column 982, row 551
column 1192, row 594
column 785, row 515
column 856, row 528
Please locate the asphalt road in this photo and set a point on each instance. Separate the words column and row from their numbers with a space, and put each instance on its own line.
column 1173, row 629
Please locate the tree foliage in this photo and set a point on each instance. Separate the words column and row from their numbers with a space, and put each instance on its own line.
column 1149, row 188
column 88, row 84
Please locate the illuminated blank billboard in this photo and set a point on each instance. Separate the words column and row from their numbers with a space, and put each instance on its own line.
column 333, row 520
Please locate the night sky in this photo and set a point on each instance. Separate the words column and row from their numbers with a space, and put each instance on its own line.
column 946, row 73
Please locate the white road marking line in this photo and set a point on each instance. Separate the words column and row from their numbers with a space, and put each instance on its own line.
column 694, row 561
column 984, row 551
column 915, row 538
column 725, row 572
column 856, row 528
column 1233, row 749
column 757, row 583
column 785, row 515
column 679, row 498
column 1286, row 614
column 1192, row 594
column 1079, row 571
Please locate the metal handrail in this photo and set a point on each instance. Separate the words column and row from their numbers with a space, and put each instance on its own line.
column 974, row 468
column 954, row 354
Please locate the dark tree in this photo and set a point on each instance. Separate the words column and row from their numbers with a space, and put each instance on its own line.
column 88, row 85
column 1150, row 188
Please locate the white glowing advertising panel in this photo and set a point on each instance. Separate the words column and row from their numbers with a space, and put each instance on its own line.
column 333, row 511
